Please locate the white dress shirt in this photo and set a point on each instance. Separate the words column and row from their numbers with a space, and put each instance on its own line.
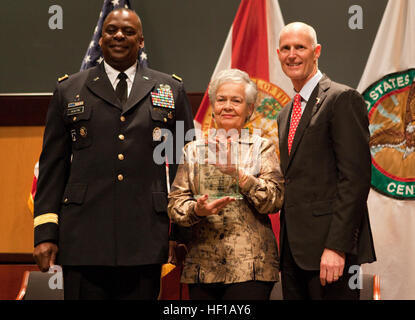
column 308, row 88
column 113, row 76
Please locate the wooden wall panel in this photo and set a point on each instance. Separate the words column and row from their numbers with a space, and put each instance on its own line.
column 19, row 148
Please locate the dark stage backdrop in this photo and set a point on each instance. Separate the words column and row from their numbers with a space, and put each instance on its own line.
column 184, row 37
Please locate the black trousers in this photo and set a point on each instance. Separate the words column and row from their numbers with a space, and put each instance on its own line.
column 299, row 284
column 111, row 283
column 249, row 290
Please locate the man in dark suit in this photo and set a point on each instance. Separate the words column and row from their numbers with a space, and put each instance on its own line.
column 325, row 159
column 101, row 202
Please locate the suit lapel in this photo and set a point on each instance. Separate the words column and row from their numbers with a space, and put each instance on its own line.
column 142, row 85
column 99, row 84
column 323, row 85
column 314, row 102
column 283, row 128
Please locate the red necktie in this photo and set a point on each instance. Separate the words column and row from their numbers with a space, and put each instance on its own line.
column 295, row 119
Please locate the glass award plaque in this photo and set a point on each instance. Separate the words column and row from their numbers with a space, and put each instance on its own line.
column 212, row 164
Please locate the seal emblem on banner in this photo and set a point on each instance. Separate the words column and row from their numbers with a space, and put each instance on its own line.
column 391, row 110
column 271, row 99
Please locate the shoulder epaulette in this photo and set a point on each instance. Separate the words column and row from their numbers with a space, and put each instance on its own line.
column 177, row 77
column 63, row 78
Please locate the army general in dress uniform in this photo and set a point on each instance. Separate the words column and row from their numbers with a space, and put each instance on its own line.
column 101, row 202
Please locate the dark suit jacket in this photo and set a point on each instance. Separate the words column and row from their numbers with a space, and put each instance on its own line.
column 102, row 220
column 327, row 177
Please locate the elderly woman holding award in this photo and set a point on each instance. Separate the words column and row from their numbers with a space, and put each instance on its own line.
column 226, row 200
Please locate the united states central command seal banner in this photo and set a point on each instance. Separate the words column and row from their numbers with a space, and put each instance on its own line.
column 391, row 110
column 387, row 85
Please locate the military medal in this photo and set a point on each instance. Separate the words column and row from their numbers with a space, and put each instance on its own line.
column 163, row 97
column 83, row 132
column 73, row 135
column 156, row 134
column 75, row 104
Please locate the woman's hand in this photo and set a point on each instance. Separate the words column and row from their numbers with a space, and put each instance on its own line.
column 225, row 162
column 229, row 165
column 204, row 208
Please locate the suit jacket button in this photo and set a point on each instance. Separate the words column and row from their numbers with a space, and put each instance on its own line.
column 120, row 177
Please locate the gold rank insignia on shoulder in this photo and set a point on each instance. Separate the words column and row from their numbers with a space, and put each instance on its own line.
column 63, row 78
column 175, row 76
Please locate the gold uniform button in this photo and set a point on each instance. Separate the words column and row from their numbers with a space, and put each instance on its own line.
column 66, row 200
column 120, row 177
column 120, row 156
column 74, row 118
column 121, row 137
column 122, row 118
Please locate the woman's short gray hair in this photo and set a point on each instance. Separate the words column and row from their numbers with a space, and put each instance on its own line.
column 233, row 75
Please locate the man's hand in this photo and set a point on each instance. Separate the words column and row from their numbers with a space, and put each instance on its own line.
column 331, row 266
column 204, row 208
column 45, row 255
